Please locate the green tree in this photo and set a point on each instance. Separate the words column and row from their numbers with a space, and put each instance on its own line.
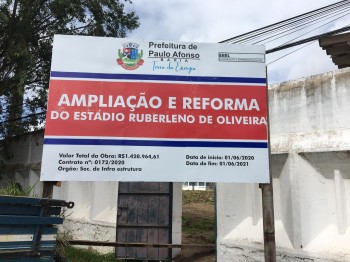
column 26, row 35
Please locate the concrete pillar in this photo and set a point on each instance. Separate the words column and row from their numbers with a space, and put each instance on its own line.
column 340, row 202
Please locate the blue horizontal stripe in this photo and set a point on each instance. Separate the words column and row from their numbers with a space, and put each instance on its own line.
column 29, row 220
column 26, row 244
column 176, row 78
column 14, row 200
column 18, row 245
column 156, row 143
column 26, row 230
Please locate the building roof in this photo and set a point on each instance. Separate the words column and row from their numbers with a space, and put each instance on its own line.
column 338, row 47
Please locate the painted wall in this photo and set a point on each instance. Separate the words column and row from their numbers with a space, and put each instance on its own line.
column 23, row 162
column 310, row 166
column 310, row 142
column 94, row 215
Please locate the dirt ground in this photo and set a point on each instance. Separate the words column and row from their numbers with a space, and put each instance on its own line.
column 196, row 208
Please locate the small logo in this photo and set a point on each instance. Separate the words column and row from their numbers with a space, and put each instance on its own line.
column 130, row 57
column 241, row 57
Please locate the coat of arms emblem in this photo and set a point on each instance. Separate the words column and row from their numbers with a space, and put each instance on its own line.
column 130, row 57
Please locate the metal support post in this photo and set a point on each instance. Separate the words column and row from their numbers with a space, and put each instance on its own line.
column 267, row 201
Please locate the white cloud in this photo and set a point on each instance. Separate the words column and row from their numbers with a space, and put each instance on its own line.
column 213, row 21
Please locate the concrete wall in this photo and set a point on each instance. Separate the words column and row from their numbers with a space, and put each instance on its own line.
column 94, row 215
column 23, row 162
column 310, row 165
column 310, row 142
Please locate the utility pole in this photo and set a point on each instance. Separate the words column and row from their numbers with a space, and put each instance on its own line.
column 48, row 189
column 268, row 222
column 267, row 201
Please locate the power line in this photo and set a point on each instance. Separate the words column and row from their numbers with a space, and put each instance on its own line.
column 23, row 117
column 300, row 19
column 290, row 53
column 308, row 24
column 306, row 40
column 316, row 28
column 292, row 25
column 295, row 26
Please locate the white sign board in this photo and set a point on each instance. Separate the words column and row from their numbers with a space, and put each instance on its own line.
column 137, row 110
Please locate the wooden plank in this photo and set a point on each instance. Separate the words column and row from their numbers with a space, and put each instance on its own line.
column 13, row 200
column 163, row 210
column 123, row 187
column 142, row 222
column 143, row 193
column 48, row 189
column 268, row 222
column 131, row 237
column 164, row 187
column 141, row 237
column 132, row 210
column 338, row 50
column 21, row 246
column 27, row 210
column 25, row 230
column 29, row 220
column 143, row 211
column 152, row 236
column 121, row 237
column 26, row 256
column 137, row 187
column 340, row 60
column 143, row 225
column 123, row 206
column 343, row 66
column 124, row 244
column 163, row 235
column 153, row 218
column 335, row 39
column 154, row 187
column 153, row 209
column 267, row 203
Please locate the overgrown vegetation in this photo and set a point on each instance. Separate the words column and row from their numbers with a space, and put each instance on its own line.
column 193, row 196
column 86, row 255
column 198, row 225
column 202, row 229
column 15, row 189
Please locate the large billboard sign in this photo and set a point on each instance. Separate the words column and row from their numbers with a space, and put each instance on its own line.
column 137, row 110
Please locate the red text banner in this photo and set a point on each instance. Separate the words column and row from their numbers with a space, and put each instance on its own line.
column 156, row 110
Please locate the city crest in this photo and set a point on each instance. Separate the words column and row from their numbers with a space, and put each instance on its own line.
column 130, row 57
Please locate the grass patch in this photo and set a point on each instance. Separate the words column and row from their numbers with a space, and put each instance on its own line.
column 197, row 223
column 192, row 226
column 15, row 189
column 201, row 228
column 85, row 255
column 193, row 196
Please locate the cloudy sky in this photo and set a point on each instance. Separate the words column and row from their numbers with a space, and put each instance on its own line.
column 214, row 21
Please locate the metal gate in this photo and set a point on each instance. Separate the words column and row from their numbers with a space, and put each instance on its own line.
column 144, row 216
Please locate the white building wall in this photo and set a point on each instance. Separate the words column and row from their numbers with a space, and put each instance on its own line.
column 310, row 143
column 23, row 162
column 310, row 165
column 94, row 215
